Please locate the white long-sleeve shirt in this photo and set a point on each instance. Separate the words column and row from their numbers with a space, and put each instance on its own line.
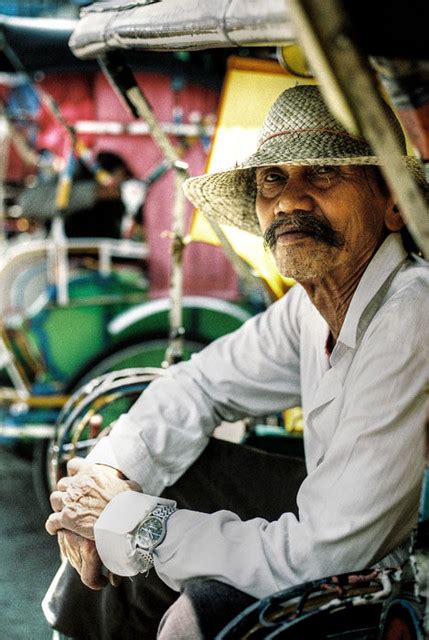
column 364, row 409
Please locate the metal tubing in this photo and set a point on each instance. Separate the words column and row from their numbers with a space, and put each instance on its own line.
column 124, row 83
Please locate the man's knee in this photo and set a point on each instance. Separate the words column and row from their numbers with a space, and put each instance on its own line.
column 180, row 621
column 202, row 610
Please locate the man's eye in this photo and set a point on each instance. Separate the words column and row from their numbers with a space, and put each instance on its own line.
column 272, row 177
column 324, row 171
column 270, row 180
column 270, row 184
column 323, row 176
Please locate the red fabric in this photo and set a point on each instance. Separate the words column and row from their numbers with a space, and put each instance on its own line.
column 206, row 270
column 16, row 167
column 74, row 96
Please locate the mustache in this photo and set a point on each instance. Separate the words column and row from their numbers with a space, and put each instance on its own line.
column 303, row 222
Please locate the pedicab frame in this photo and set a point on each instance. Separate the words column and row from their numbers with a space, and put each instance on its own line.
column 134, row 331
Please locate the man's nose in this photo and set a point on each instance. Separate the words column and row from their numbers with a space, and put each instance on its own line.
column 295, row 195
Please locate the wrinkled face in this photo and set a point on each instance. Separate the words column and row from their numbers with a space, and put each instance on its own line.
column 316, row 219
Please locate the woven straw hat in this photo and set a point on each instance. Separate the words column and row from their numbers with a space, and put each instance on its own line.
column 298, row 130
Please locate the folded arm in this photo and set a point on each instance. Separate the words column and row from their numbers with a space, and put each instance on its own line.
column 357, row 506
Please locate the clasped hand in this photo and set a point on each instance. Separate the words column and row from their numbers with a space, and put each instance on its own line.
column 77, row 503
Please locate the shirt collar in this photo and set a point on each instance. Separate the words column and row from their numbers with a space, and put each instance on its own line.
column 387, row 259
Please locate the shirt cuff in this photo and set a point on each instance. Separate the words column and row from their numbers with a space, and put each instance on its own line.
column 114, row 529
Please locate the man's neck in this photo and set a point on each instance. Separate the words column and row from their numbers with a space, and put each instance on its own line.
column 332, row 294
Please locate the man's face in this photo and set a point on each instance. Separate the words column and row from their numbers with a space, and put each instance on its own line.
column 316, row 219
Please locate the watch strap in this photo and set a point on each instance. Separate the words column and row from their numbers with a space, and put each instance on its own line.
column 162, row 512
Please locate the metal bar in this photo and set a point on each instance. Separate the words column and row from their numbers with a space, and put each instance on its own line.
column 5, row 139
column 14, row 396
column 350, row 89
column 58, row 264
column 141, row 128
column 174, row 351
column 124, row 83
column 105, row 258
column 28, row 431
column 13, row 367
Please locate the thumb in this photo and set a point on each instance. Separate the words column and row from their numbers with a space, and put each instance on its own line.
column 75, row 465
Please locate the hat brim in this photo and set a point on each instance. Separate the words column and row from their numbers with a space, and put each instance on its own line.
column 228, row 197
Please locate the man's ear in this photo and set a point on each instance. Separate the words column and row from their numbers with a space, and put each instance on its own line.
column 392, row 218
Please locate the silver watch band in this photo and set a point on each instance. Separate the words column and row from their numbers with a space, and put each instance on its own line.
column 162, row 512
column 146, row 561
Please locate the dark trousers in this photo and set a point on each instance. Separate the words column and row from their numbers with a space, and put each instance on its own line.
column 249, row 482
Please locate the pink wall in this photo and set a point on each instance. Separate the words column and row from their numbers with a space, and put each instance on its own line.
column 207, row 270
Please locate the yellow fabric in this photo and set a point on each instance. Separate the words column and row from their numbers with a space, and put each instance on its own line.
column 250, row 88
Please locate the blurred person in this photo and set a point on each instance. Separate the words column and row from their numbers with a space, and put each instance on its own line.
column 103, row 217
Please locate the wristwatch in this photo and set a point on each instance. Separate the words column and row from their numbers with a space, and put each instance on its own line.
column 116, row 531
column 150, row 533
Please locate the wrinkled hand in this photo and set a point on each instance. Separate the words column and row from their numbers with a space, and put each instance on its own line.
column 81, row 497
column 77, row 503
column 83, row 556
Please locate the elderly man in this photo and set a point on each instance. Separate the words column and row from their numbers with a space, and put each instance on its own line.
column 350, row 343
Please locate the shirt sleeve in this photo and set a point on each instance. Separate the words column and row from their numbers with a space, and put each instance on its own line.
column 252, row 372
column 357, row 505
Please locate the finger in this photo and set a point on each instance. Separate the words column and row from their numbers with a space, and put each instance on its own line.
column 51, row 524
column 71, row 548
column 91, row 568
column 114, row 579
column 55, row 522
column 78, row 517
column 75, row 465
column 61, row 544
column 64, row 483
column 57, row 500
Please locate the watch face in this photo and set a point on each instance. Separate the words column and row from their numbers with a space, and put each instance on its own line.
column 149, row 532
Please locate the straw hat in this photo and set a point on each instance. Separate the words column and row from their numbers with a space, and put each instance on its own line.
column 298, row 130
